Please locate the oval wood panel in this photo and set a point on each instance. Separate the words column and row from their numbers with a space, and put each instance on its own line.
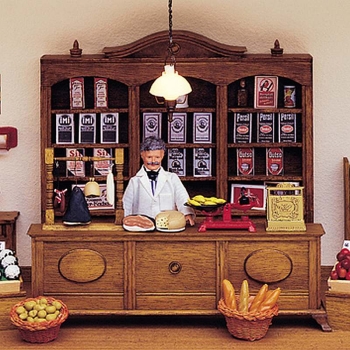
column 268, row 265
column 82, row 265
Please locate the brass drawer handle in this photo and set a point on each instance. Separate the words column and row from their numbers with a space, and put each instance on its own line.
column 175, row 267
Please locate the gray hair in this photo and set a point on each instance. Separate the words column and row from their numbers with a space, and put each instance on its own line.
column 152, row 143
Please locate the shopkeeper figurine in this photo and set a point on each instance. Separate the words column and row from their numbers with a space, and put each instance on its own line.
column 153, row 190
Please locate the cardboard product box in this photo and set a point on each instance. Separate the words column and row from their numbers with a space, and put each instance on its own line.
column 7, row 301
column 11, row 286
column 87, row 128
column 287, row 127
column 77, row 93
column 245, row 161
column 338, row 286
column 338, row 309
column 242, row 128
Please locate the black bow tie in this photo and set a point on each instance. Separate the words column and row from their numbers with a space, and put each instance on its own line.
column 152, row 174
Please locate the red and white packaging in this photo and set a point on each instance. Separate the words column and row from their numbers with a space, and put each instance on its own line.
column 76, row 88
column 274, row 161
column 101, row 95
column 245, row 161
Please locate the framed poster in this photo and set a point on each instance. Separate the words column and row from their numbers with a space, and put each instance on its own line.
column 253, row 192
column 152, row 123
column 177, row 128
column 97, row 203
column 202, row 127
column 265, row 92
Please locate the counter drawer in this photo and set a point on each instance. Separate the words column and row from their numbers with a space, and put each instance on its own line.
column 175, row 267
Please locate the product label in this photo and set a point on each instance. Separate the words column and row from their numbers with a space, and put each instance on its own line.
column 109, row 127
column 177, row 161
column 245, row 161
column 100, row 92
column 274, row 161
column 64, row 128
column 242, row 128
column 287, row 127
column 266, row 127
column 87, row 128
column 76, row 89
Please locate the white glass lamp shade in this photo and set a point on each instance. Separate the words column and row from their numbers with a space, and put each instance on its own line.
column 170, row 85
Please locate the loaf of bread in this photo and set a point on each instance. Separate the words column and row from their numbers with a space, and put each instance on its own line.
column 170, row 220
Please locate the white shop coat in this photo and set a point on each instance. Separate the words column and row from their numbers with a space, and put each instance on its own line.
column 170, row 194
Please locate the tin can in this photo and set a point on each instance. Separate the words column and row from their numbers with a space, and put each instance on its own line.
column 289, row 96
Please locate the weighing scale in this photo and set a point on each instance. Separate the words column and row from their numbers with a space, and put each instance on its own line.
column 226, row 222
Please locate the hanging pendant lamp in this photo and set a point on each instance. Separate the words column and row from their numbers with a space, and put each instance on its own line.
column 170, row 85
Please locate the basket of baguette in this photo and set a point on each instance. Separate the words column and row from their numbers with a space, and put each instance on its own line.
column 248, row 317
column 39, row 319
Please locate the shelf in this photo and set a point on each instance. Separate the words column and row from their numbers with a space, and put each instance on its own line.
column 266, row 145
column 215, row 79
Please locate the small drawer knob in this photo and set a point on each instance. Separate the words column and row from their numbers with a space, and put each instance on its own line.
column 175, row 267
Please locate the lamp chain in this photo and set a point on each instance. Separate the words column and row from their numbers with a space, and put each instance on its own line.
column 170, row 23
column 173, row 48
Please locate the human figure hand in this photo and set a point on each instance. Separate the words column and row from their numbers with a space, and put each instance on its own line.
column 189, row 219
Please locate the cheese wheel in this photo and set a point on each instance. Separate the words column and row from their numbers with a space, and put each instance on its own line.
column 170, row 220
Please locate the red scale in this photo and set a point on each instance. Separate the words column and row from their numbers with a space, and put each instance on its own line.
column 226, row 222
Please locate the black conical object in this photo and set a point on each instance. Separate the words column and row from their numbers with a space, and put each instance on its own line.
column 77, row 212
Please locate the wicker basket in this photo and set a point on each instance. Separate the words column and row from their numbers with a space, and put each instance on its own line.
column 39, row 332
column 248, row 326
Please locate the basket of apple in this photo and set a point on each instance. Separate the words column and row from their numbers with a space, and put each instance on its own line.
column 339, row 277
column 39, row 319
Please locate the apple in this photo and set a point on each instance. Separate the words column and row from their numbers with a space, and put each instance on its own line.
column 345, row 250
column 342, row 273
column 334, row 275
column 342, row 254
column 345, row 263
column 338, row 267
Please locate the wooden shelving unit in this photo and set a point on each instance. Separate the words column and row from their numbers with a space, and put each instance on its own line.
column 214, row 71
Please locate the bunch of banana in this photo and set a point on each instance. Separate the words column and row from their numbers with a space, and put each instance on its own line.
column 200, row 200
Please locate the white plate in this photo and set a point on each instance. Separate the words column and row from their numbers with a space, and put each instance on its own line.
column 166, row 230
column 137, row 228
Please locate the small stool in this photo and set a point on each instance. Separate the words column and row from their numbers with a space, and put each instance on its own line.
column 8, row 228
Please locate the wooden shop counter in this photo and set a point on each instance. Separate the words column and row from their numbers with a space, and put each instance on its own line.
column 101, row 269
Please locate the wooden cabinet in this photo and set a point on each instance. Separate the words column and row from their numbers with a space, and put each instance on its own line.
column 215, row 72
column 105, row 270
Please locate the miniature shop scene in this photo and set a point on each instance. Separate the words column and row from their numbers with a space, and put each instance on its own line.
column 174, row 175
